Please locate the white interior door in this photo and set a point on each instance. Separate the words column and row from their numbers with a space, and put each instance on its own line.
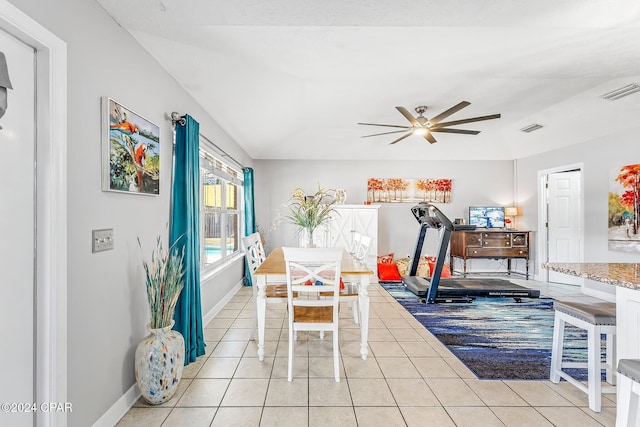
column 564, row 222
column 17, row 228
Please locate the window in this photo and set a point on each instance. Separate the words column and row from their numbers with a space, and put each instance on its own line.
column 221, row 214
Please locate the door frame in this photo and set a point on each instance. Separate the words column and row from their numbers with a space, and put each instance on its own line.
column 543, row 235
column 51, row 209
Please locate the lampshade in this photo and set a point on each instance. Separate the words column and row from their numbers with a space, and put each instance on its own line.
column 511, row 211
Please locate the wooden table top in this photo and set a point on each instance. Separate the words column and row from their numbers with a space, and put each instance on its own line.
column 274, row 264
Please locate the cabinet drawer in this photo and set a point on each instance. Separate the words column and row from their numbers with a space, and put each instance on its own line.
column 497, row 252
column 496, row 240
column 474, row 240
column 519, row 240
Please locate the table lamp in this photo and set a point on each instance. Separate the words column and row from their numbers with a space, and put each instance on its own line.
column 511, row 213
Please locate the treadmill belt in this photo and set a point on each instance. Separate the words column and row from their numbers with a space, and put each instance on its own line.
column 470, row 287
column 478, row 283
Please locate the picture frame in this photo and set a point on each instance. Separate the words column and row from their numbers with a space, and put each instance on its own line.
column 623, row 233
column 130, row 151
column 399, row 190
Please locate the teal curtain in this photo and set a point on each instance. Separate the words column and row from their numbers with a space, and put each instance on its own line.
column 184, row 232
column 249, row 214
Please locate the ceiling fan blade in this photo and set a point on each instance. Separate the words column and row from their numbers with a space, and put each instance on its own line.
column 408, row 134
column 389, row 126
column 408, row 116
column 383, row 133
column 447, row 130
column 463, row 121
column 448, row 112
column 429, row 137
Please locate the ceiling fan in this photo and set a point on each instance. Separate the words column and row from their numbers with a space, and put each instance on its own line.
column 422, row 126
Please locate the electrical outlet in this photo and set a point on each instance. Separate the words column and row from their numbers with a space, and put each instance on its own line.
column 102, row 240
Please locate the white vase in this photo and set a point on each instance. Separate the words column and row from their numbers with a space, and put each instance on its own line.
column 159, row 361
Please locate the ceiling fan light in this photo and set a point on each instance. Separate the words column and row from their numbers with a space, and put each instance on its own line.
column 622, row 92
column 420, row 131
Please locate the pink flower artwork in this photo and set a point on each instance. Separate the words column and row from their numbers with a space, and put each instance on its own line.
column 396, row 190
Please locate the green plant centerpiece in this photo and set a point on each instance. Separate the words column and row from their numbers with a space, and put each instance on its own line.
column 310, row 212
column 159, row 357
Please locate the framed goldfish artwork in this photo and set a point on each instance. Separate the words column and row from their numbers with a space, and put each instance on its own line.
column 130, row 151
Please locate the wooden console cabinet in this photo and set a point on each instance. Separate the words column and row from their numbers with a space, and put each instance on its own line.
column 498, row 244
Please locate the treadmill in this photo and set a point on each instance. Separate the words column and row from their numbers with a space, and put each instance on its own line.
column 436, row 289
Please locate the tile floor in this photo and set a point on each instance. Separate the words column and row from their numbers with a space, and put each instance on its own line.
column 409, row 379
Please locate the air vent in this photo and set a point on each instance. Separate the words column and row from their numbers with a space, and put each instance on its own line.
column 622, row 92
column 531, row 128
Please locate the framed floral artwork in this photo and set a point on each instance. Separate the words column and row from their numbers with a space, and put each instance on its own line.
column 396, row 190
column 624, row 207
column 130, row 151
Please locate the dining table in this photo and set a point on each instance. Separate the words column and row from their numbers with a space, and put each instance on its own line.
column 273, row 270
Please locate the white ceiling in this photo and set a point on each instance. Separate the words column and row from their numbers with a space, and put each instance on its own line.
column 291, row 79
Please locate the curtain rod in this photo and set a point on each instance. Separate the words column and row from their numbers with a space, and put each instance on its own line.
column 177, row 118
column 224, row 153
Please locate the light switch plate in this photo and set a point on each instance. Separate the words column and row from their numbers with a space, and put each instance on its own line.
column 102, row 240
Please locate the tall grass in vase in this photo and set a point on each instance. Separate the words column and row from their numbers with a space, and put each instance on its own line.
column 165, row 280
column 310, row 212
column 159, row 358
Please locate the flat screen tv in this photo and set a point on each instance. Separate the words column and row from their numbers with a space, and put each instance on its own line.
column 486, row 216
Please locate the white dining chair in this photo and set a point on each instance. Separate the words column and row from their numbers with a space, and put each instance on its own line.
column 363, row 247
column 306, row 270
column 355, row 243
column 255, row 255
column 350, row 292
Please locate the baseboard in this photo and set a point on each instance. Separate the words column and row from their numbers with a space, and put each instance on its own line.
column 131, row 396
column 208, row 317
column 118, row 409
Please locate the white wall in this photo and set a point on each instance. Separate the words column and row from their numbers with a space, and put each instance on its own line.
column 599, row 157
column 107, row 307
column 473, row 182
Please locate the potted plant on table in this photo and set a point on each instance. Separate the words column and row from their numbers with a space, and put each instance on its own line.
column 159, row 357
column 310, row 212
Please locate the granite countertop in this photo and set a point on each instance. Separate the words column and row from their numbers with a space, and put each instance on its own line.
column 626, row 275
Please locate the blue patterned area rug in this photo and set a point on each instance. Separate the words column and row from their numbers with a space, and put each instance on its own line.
column 497, row 338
